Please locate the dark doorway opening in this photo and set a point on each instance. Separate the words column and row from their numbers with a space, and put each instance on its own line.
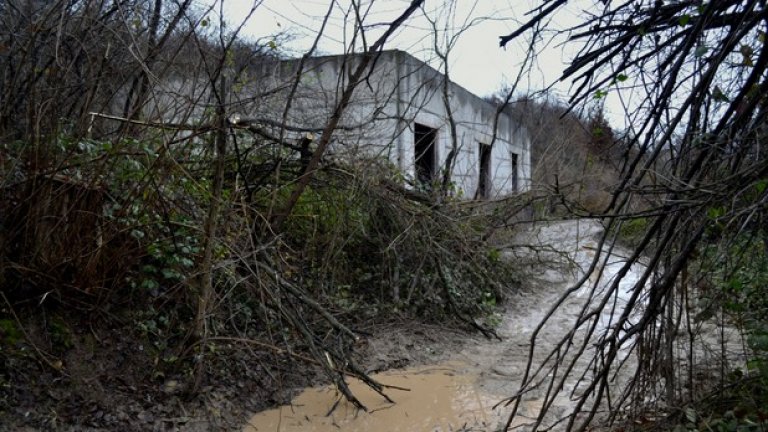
column 514, row 173
column 424, row 154
column 484, row 179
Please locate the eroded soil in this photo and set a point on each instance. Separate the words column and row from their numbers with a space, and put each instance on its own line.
column 481, row 372
column 94, row 392
column 466, row 376
column 463, row 374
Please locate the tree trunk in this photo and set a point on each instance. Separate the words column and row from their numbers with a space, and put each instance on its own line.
column 206, row 293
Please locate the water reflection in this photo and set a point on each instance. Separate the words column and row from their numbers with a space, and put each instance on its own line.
column 439, row 399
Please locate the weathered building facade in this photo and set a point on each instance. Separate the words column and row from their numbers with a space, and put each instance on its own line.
column 404, row 112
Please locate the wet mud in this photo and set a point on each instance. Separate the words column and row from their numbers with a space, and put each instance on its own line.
column 467, row 379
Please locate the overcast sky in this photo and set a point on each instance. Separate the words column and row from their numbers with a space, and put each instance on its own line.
column 476, row 61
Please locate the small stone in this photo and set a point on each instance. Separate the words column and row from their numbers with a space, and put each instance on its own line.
column 171, row 386
column 507, row 371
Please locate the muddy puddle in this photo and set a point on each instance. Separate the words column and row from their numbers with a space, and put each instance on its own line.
column 439, row 398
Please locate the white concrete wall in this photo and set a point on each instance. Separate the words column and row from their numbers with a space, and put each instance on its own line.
column 422, row 101
column 399, row 92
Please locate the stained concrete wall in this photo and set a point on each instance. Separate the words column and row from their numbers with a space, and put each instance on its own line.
column 398, row 91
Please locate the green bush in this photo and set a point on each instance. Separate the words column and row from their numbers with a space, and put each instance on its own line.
column 632, row 231
column 739, row 275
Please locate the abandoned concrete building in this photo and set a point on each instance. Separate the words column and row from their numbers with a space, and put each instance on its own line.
column 404, row 111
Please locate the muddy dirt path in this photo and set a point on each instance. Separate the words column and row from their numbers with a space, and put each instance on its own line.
column 557, row 256
column 465, row 380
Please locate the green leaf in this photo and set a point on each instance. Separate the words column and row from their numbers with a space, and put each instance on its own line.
column 600, row 94
column 746, row 54
column 621, row 78
column 684, row 20
column 758, row 342
column 149, row 284
column 715, row 212
column 735, row 285
column 733, row 306
column 494, row 255
column 148, row 268
column 690, row 415
column 171, row 274
column 272, row 45
column 700, row 51
column 753, row 364
column 719, row 95
column 761, row 185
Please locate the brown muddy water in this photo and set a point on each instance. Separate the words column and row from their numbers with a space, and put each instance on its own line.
column 447, row 397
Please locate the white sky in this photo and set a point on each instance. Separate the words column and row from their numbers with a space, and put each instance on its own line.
column 476, row 61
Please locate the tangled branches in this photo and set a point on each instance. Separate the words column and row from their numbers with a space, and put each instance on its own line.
column 694, row 74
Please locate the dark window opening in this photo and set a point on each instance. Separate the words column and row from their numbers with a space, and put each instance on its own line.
column 424, row 152
column 514, row 172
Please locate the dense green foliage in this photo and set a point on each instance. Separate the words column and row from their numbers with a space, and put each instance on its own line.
column 734, row 289
column 354, row 243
